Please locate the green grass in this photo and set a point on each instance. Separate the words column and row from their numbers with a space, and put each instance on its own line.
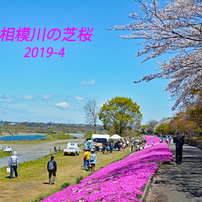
column 35, row 141
column 78, row 179
column 199, row 136
column 33, row 186
column 27, row 142
column 4, row 154
column 64, row 185
column 163, row 165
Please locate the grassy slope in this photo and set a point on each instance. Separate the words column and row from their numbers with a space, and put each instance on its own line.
column 33, row 176
column 4, row 154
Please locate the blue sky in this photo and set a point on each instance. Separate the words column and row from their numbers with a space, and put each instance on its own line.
column 55, row 88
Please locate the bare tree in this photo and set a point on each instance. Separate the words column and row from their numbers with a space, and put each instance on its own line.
column 150, row 126
column 91, row 113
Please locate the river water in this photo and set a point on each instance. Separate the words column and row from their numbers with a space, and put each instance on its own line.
column 22, row 137
column 33, row 137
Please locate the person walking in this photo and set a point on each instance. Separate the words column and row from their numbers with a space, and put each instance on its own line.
column 179, row 141
column 169, row 139
column 93, row 160
column 13, row 164
column 103, row 148
column 108, row 149
column 111, row 147
column 97, row 148
column 52, row 168
column 131, row 146
column 124, row 146
column 86, row 159
column 127, row 143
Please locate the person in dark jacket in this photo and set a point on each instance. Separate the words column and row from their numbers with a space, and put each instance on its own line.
column 52, row 168
column 103, row 148
column 179, row 141
column 111, row 147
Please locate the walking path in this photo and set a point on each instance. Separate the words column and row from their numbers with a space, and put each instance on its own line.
column 179, row 183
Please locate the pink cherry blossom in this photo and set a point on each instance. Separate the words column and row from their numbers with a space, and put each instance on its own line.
column 172, row 28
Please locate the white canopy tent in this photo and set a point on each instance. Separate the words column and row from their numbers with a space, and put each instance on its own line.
column 100, row 136
column 115, row 137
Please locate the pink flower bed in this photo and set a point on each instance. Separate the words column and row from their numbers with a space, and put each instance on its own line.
column 119, row 181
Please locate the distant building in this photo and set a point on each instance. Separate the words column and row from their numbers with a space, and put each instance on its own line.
column 12, row 123
column 1, row 123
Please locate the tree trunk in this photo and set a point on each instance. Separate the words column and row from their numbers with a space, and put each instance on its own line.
column 95, row 127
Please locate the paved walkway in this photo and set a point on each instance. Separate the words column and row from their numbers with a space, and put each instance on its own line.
column 181, row 183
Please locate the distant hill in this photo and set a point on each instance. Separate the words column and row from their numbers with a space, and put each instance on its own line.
column 30, row 127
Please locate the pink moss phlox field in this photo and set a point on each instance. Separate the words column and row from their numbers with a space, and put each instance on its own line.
column 119, row 181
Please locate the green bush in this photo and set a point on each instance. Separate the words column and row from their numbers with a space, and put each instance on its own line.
column 64, row 185
column 88, row 134
column 63, row 135
column 78, row 179
column 40, row 198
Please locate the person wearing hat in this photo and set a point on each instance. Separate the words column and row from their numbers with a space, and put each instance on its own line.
column 13, row 164
column 179, row 141
column 52, row 168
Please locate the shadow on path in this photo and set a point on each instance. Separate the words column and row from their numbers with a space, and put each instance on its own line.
column 182, row 182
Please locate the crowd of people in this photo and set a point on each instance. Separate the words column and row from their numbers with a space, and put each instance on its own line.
column 168, row 139
column 135, row 143
column 90, row 158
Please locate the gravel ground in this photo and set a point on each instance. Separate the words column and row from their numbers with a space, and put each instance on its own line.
column 35, row 151
column 181, row 183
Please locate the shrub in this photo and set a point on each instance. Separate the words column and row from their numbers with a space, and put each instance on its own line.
column 64, row 185
column 78, row 179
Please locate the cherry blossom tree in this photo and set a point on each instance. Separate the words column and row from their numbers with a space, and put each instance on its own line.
column 174, row 27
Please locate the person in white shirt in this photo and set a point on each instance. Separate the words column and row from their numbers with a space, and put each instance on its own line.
column 13, row 164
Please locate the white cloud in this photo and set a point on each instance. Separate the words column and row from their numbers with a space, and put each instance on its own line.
column 46, row 97
column 62, row 105
column 18, row 97
column 78, row 98
column 88, row 83
column 4, row 100
column 28, row 97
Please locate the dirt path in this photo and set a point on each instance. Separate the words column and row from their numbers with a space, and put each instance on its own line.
column 30, row 152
